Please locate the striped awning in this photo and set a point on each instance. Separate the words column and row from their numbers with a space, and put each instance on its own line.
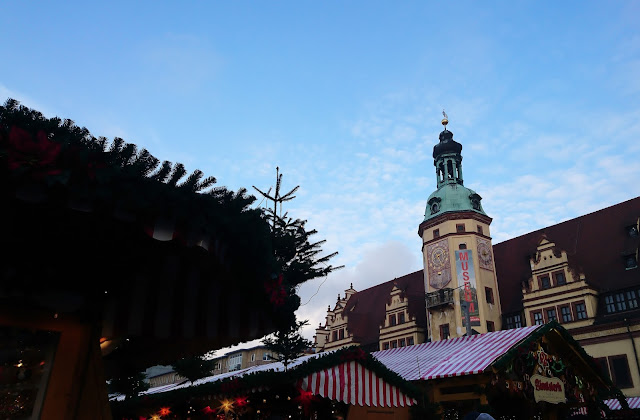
column 453, row 357
column 352, row 383
column 634, row 403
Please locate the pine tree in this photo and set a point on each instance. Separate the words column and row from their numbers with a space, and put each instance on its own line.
column 288, row 344
column 194, row 368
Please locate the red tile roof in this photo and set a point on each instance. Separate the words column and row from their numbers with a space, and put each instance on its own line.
column 595, row 244
column 365, row 310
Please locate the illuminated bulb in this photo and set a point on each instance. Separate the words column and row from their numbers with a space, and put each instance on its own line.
column 264, row 401
column 288, row 398
column 19, row 364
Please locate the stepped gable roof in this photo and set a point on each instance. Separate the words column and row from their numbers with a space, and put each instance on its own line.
column 595, row 244
column 365, row 310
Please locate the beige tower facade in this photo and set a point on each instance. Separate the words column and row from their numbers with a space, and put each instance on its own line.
column 459, row 270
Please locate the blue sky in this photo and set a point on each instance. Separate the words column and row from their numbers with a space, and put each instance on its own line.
column 346, row 99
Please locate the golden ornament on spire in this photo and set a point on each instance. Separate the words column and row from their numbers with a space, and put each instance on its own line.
column 445, row 120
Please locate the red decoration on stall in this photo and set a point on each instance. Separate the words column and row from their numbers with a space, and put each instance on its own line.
column 241, row 401
column 276, row 291
column 208, row 410
column 230, row 386
column 353, row 354
column 164, row 411
column 38, row 154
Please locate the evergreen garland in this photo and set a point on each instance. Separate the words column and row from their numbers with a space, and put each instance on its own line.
column 234, row 386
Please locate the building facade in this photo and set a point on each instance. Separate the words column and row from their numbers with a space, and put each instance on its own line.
column 236, row 360
column 582, row 273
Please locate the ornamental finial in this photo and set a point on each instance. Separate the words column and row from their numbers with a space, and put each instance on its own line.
column 445, row 120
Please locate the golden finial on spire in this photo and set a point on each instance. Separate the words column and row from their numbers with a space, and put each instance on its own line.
column 445, row 120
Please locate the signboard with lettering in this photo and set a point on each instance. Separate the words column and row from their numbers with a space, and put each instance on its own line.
column 467, row 282
column 548, row 389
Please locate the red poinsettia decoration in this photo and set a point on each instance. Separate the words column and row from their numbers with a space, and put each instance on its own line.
column 276, row 291
column 353, row 354
column 230, row 386
column 38, row 155
column 305, row 399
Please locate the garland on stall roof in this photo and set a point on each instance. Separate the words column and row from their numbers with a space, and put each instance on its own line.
column 234, row 386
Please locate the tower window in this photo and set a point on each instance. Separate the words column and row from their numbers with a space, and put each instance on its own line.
column 581, row 311
column 341, row 333
column 392, row 320
column 488, row 292
column 385, row 346
column 480, row 230
column 401, row 318
column 462, row 246
column 436, row 233
column 410, row 341
column 490, row 326
column 460, row 227
column 444, row 331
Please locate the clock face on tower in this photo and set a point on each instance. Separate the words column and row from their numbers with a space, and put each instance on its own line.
column 484, row 254
column 438, row 264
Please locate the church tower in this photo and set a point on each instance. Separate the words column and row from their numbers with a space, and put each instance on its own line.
column 459, row 270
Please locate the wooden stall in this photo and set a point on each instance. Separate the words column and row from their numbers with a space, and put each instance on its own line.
column 537, row 371
column 112, row 262
column 347, row 384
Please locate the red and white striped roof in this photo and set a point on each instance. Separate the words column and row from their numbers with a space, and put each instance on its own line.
column 354, row 384
column 634, row 403
column 453, row 357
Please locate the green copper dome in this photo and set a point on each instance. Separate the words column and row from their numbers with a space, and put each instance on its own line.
column 452, row 198
column 451, row 195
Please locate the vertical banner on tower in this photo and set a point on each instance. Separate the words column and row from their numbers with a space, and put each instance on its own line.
column 467, row 283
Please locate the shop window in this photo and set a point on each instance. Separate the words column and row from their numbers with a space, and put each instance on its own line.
column 565, row 313
column 385, row 346
column 545, row 281
column 401, row 318
column 491, row 326
column 620, row 373
column 394, row 344
column 480, row 230
column 551, row 314
column 341, row 333
column 392, row 320
column 460, row 227
column 513, row 321
column 537, row 318
column 609, row 305
column 581, row 311
column 402, row 342
column 559, row 279
column 436, row 233
column 632, row 299
column 621, row 304
column 604, row 366
column 410, row 341
column 444, row 331
column 488, row 293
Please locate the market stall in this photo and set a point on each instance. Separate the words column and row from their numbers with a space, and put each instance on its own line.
column 518, row 373
column 347, row 383
column 113, row 262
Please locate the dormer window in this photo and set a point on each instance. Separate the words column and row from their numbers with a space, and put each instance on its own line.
column 559, row 278
column 545, row 282
column 630, row 261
